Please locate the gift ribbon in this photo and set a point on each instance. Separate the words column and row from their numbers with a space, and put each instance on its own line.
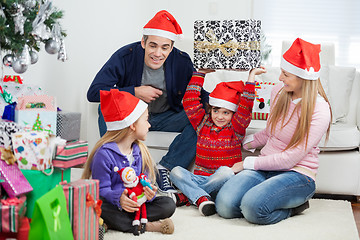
column 10, row 201
column 213, row 44
column 8, row 156
column 90, row 202
column 56, row 215
column 7, row 96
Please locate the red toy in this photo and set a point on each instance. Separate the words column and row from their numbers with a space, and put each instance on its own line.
column 135, row 184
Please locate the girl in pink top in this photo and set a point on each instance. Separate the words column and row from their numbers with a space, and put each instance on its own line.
column 279, row 182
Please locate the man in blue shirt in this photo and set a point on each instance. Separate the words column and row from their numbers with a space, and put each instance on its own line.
column 158, row 73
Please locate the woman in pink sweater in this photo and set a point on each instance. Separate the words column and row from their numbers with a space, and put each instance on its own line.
column 279, row 182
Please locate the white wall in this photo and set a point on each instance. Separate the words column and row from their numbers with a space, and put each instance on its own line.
column 96, row 29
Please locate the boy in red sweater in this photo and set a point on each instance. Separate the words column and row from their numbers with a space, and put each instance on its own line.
column 220, row 132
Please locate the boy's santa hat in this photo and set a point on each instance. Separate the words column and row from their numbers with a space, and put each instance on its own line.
column 120, row 109
column 163, row 24
column 227, row 95
column 302, row 59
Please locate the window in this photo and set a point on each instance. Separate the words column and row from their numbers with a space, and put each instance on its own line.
column 315, row 21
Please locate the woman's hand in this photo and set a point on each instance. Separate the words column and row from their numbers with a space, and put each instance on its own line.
column 127, row 203
column 237, row 167
column 150, row 194
column 255, row 71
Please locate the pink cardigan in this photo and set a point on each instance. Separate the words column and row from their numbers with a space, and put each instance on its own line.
column 273, row 157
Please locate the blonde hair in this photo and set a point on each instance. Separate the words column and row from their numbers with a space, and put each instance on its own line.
column 148, row 164
column 310, row 90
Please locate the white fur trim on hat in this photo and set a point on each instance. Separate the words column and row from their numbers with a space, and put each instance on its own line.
column 303, row 73
column 217, row 102
column 130, row 119
column 160, row 33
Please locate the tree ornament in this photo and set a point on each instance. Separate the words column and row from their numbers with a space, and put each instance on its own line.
column 18, row 67
column 52, row 46
column 62, row 56
column 34, row 57
column 19, row 19
column 29, row 4
column 8, row 60
column 24, row 57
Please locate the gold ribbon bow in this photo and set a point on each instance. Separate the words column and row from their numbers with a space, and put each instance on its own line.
column 213, row 44
column 90, row 202
column 7, row 155
column 56, row 215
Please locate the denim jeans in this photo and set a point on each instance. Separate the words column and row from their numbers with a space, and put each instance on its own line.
column 263, row 197
column 182, row 150
column 196, row 186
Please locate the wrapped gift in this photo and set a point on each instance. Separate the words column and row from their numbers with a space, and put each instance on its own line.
column 11, row 211
column 32, row 150
column 6, row 129
column 227, row 44
column 37, row 113
column 84, row 207
column 261, row 106
column 72, row 154
column 21, row 234
column 42, row 182
column 68, row 125
column 14, row 182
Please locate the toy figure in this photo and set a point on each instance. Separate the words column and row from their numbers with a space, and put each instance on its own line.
column 135, row 184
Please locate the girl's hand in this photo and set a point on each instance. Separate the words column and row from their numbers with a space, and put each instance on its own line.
column 127, row 203
column 255, row 71
column 237, row 167
column 150, row 194
column 205, row 71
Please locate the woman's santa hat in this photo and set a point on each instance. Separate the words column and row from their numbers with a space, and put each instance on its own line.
column 227, row 95
column 302, row 59
column 163, row 24
column 120, row 109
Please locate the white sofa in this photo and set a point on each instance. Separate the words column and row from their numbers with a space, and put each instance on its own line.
column 339, row 169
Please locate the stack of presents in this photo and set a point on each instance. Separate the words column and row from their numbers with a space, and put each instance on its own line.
column 39, row 144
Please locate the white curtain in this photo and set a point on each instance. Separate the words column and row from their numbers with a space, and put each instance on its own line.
column 315, row 21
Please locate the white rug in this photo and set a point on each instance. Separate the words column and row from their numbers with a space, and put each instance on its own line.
column 325, row 219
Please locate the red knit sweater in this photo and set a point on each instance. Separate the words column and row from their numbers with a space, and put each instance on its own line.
column 216, row 146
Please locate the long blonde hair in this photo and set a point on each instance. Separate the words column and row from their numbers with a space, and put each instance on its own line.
column 148, row 164
column 310, row 90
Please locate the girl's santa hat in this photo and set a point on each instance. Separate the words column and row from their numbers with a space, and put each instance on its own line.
column 120, row 109
column 302, row 59
column 227, row 95
column 163, row 24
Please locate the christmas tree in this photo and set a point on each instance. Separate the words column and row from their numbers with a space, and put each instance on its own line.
column 24, row 25
column 37, row 125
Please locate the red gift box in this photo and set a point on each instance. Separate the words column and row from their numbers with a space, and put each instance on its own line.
column 83, row 207
column 11, row 210
column 22, row 234
column 72, row 154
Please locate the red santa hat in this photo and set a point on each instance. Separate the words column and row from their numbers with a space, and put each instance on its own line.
column 163, row 24
column 302, row 59
column 226, row 95
column 120, row 109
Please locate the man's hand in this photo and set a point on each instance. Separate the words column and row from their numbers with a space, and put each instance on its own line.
column 147, row 93
column 127, row 203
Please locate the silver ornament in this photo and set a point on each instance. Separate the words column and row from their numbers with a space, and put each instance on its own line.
column 34, row 57
column 18, row 67
column 8, row 59
column 52, row 46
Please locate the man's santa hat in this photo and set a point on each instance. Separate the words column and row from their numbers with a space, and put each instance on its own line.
column 120, row 109
column 163, row 24
column 227, row 95
column 302, row 59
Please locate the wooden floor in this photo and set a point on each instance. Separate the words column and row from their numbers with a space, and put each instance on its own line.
column 356, row 210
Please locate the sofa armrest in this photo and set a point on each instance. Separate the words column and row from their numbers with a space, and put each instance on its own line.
column 358, row 115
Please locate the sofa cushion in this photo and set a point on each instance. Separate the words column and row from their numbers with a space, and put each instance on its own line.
column 160, row 140
column 340, row 84
column 342, row 137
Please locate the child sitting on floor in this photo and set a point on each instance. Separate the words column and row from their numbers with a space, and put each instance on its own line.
column 220, row 132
